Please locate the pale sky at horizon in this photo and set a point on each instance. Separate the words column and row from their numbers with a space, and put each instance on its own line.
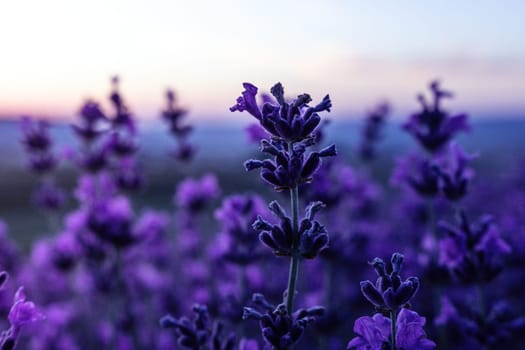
column 56, row 53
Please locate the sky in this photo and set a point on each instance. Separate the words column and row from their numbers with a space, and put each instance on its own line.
column 56, row 53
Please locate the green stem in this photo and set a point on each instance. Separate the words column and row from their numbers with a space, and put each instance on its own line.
column 295, row 258
column 292, row 280
column 393, row 319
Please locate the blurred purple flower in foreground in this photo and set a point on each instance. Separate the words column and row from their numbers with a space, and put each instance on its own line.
column 22, row 313
column 373, row 333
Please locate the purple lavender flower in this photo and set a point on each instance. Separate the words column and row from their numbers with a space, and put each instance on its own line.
column 49, row 196
column 122, row 145
column 373, row 333
column 194, row 195
column 390, row 292
column 94, row 187
column 421, row 175
column 433, row 127
column 279, row 329
column 128, row 176
column 454, row 172
column 94, row 160
column 42, row 163
column 291, row 166
column 240, row 239
column 255, row 133
column 90, row 127
column 111, row 221
column 310, row 239
column 35, row 135
column 123, row 117
column 196, row 334
column 371, row 133
column 248, row 344
column 473, row 252
column 21, row 314
column 491, row 330
column 174, row 117
column 293, row 121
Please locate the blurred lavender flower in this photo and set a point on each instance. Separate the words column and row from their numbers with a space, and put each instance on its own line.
column 42, row 161
column 111, row 221
column 91, row 188
column 454, row 172
column 128, row 176
column 197, row 334
column 123, row 117
column 420, row 175
column 236, row 216
column 373, row 333
column 122, row 145
column 21, row 314
column 48, row 196
column 194, row 195
column 92, row 122
column 66, row 251
column 492, row 330
column 473, row 252
column 371, row 133
column 255, row 133
column 174, row 116
column 433, row 127
column 35, row 135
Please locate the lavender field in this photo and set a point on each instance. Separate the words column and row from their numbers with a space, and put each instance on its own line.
column 262, row 175
column 366, row 235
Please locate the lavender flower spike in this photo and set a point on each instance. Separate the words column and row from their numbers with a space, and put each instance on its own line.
column 290, row 122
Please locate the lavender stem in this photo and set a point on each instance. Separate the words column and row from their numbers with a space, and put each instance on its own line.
column 393, row 319
column 294, row 262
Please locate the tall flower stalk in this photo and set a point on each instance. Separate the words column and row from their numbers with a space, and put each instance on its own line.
column 291, row 131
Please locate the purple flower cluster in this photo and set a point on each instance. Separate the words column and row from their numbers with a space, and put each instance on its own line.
column 42, row 161
column 110, row 266
column 174, row 116
column 21, row 314
column 374, row 332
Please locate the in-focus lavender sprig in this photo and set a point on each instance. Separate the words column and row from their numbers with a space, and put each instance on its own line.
column 390, row 292
column 291, row 127
column 312, row 237
column 281, row 330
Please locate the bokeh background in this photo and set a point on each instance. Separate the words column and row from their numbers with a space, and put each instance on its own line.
column 56, row 54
